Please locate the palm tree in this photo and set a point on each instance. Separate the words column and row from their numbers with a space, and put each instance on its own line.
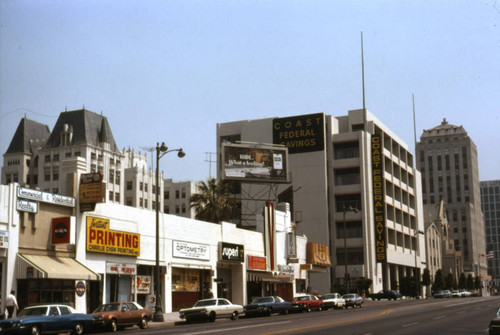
column 214, row 201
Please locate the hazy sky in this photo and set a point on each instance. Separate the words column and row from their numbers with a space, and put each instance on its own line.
column 171, row 70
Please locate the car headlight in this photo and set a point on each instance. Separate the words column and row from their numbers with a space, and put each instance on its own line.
column 203, row 311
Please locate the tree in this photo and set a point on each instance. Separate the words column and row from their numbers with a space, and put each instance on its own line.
column 426, row 277
column 462, row 281
column 438, row 281
column 470, row 282
column 449, row 282
column 215, row 201
column 363, row 285
column 478, row 283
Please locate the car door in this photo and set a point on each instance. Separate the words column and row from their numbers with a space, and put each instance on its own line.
column 223, row 307
column 125, row 316
column 134, row 312
column 66, row 319
column 52, row 319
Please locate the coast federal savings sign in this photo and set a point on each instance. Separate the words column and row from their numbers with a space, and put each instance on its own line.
column 303, row 133
column 104, row 240
column 231, row 252
column 378, row 198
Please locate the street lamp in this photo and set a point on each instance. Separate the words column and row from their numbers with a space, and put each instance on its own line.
column 346, row 209
column 417, row 277
column 160, row 152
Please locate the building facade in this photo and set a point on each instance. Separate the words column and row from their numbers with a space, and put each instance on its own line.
column 490, row 204
column 352, row 187
column 447, row 159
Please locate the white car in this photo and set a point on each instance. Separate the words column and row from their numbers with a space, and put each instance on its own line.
column 333, row 300
column 211, row 309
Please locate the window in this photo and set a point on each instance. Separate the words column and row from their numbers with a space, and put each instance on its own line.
column 145, row 203
column 55, row 158
column 55, row 176
column 129, row 185
column 117, row 197
column 353, row 229
column 348, row 200
column 128, row 202
column 55, row 190
column 183, row 193
column 145, row 187
column 346, row 150
column 118, row 177
column 166, row 210
column 183, row 208
column 347, row 176
column 141, row 186
column 141, row 202
column 68, row 154
column 177, row 209
column 177, row 194
column 111, row 176
column 354, row 256
column 47, row 176
column 110, row 195
column 166, row 195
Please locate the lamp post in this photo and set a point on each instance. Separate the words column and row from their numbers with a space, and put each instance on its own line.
column 346, row 209
column 160, row 152
column 417, row 277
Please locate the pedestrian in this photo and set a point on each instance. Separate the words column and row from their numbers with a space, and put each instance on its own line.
column 11, row 302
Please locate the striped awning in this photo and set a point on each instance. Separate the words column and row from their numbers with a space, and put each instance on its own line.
column 269, row 277
column 40, row 266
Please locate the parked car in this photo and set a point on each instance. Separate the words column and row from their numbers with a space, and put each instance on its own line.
column 442, row 294
column 333, row 300
column 36, row 320
column 211, row 309
column 353, row 300
column 267, row 306
column 494, row 327
column 386, row 294
column 456, row 294
column 306, row 303
column 465, row 293
column 116, row 315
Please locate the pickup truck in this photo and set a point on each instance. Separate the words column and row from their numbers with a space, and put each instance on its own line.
column 386, row 294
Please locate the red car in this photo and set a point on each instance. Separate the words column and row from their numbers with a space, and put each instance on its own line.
column 116, row 315
column 306, row 303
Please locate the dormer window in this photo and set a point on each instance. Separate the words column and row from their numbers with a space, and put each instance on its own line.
column 66, row 135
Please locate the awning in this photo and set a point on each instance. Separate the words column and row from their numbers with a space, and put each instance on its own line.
column 269, row 277
column 38, row 266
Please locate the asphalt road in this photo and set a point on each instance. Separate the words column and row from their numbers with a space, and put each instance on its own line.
column 427, row 317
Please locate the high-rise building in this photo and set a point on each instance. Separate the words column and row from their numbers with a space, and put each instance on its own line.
column 82, row 142
column 490, row 204
column 447, row 159
column 353, row 187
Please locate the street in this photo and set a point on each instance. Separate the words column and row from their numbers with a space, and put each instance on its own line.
column 431, row 316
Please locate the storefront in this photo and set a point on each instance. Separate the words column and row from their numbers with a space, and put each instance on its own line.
column 261, row 282
column 191, row 273
column 230, row 271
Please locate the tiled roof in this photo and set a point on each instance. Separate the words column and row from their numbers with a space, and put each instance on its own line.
column 88, row 127
column 27, row 132
column 444, row 129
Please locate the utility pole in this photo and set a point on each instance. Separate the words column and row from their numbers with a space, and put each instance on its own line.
column 208, row 159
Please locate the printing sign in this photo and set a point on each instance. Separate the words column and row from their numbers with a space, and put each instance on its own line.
column 102, row 239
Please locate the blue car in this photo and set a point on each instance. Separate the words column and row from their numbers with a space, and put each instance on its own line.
column 267, row 306
column 36, row 320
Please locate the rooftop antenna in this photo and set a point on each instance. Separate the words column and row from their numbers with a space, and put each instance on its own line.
column 208, row 158
column 363, row 80
column 414, row 129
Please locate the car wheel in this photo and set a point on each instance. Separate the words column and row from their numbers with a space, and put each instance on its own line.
column 144, row 323
column 320, row 308
column 308, row 308
column 78, row 329
column 212, row 317
column 285, row 312
column 35, row 330
column 113, row 326
column 235, row 316
column 269, row 311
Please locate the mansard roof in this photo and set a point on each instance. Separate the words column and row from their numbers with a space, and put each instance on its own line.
column 28, row 133
column 444, row 129
column 88, row 128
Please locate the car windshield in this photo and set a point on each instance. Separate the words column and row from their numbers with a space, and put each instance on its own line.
column 348, row 296
column 108, row 308
column 33, row 311
column 301, row 298
column 203, row 303
column 262, row 299
column 328, row 296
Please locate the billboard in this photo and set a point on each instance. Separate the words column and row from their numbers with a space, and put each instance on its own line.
column 303, row 133
column 100, row 238
column 256, row 163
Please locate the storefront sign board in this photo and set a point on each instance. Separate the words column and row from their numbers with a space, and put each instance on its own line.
column 191, row 250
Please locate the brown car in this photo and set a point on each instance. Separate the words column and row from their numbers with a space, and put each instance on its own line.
column 115, row 315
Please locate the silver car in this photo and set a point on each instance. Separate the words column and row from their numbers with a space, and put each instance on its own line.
column 353, row 300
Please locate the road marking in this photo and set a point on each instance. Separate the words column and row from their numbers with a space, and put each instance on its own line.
column 329, row 323
column 410, row 324
column 236, row 328
column 439, row 317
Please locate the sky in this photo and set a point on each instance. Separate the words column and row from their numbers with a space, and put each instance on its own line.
column 169, row 71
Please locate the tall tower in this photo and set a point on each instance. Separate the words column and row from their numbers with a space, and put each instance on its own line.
column 447, row 159
column 490, row 194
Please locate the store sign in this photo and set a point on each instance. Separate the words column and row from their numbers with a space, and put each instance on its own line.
column 285, row 269
column 291, row 245
column 61, row 230
column 191, row 250
column 378, row 198
column 143, row 285
column 92, row 189
column 51, row 198
column 231, row 252
column 303, row 133
column 101, row 239
column 317, row 254
column 80, row 288
column 256, row 263
column 27, row 206
column 121, row 269
column 4, row 239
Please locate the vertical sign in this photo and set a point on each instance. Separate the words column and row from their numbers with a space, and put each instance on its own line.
column 270, row 235
column 378, row 198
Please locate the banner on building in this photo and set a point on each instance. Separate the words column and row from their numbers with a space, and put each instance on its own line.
column 104, row 240
column 61, row 230
column 379, row 198
column 318, row 254
column 256, row 263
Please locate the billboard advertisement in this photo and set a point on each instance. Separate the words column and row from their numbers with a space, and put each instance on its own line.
column 255, row 163
column 303, row 133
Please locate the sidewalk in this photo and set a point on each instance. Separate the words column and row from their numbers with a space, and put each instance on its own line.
column 169, row 319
